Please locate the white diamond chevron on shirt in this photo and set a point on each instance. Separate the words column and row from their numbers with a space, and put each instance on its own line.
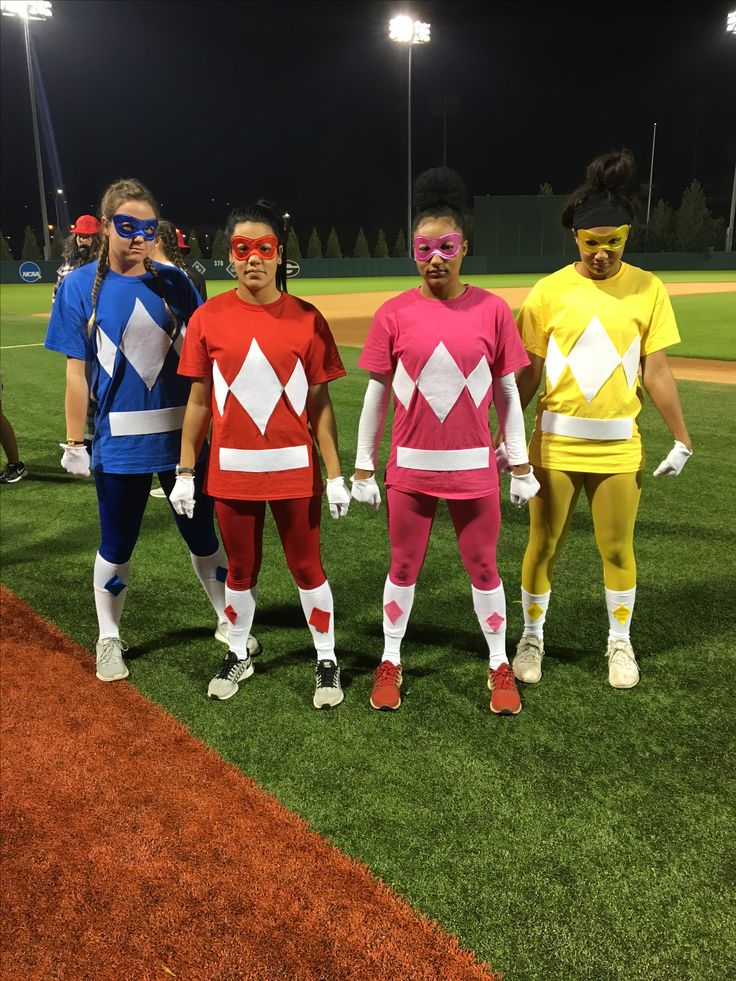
column 593, row 359
column 145, row 344
column 106, row 351
column 441, row 382
column 258, row 389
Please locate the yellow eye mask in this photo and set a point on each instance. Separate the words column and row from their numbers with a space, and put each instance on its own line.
column 611, row 241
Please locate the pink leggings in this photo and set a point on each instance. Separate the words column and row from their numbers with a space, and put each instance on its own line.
column 297, row 521
column 477, row 523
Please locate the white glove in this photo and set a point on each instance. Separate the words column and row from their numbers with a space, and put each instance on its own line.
column 366, row 491
column 502, row 461
column 338, row 497
column 675, row 460
column 75, row 460
column 524, row 488
column 182, row 496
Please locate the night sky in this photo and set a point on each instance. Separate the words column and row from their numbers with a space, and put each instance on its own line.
column 217, row 103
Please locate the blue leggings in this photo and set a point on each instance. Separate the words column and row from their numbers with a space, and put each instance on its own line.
column 122, row 499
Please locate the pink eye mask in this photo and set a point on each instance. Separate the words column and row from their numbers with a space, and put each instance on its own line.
column 446, row 246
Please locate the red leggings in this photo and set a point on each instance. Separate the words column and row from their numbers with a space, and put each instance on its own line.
column 297, row 521
column 477, row 523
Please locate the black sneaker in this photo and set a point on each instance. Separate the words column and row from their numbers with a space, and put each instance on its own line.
column 327, row 690
column 227, row 680
column 13, row 473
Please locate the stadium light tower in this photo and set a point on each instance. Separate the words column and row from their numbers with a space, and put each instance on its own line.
column 39, row 10
column 405, row 30
column 731, row 29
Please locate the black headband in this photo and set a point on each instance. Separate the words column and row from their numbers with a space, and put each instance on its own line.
column 601, row 212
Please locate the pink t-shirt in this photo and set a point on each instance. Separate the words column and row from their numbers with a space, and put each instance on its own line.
column 443, row 356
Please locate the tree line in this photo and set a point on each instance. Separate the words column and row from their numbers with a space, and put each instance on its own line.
column 690, row 228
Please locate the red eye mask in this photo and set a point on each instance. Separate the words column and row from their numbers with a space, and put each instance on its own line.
column 264, row 247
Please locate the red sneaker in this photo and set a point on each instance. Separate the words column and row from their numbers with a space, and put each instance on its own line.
column 504, row 693
column 386, row 694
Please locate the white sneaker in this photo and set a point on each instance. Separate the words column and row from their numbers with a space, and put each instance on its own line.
column 527, row 665
column 623, row 671
column 232, row 671
column 157, row 492
column 110, row 663
column 223, row 635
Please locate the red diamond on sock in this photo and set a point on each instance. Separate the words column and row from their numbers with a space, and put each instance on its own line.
column 231, row 614
column 320, row 620
column 495, row 621
column 393, row 611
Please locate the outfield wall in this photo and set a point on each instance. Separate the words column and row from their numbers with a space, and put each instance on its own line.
column 45, row 272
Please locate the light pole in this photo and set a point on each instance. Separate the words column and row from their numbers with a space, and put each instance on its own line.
column 405, row 30
column 731, row 29
column 59, row 193
column 39, row 10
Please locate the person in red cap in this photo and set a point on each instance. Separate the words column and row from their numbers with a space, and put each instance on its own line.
column 81, row 247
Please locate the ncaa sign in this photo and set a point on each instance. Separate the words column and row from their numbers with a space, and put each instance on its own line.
column 30, row 272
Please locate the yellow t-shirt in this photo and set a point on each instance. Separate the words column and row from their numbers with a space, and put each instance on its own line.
column 592, row 334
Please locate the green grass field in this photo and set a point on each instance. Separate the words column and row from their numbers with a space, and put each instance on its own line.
column 591, row 837
column 707, row 322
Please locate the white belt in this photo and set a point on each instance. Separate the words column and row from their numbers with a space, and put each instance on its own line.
column 579, row 427
column 474, row 458
column 264, row 461
column 147, row 421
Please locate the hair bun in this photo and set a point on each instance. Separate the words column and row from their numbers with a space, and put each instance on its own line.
column 612, row 172
column 437, row 188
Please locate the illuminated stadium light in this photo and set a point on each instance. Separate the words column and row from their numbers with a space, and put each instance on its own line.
column 37, row 10
column 406, row 30
column 26, row 11
column 731, row 22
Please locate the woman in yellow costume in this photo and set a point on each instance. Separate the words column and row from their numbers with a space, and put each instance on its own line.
column 591, row 326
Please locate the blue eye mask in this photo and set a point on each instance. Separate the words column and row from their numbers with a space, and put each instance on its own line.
column 129, row 227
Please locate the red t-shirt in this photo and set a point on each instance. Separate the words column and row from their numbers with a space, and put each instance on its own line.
column 262, row 360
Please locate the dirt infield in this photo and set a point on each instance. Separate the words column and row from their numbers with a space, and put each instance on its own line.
column 695, row 369
column 132, row 851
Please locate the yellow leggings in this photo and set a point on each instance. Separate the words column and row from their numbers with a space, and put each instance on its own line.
column 614, row 502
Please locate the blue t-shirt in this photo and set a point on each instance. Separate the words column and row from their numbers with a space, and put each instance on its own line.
column 134, row 353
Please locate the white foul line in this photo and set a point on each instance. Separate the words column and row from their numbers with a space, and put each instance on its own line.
column 12, row 347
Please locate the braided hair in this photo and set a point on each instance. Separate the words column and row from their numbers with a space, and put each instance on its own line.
column 439, row 193
column 610, row 179
column 169, row 243
column 265, row 213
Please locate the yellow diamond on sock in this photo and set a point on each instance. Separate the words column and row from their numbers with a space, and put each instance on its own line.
column 535, row 611
column 622, row 614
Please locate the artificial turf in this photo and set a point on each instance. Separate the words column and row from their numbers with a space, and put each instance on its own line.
column 590, row 837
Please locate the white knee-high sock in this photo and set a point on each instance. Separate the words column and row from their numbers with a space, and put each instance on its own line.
column 535, row 611
column 620, row 604
column 490, row 608
column 240, row 610
column 319, row 611
column 397, row 604
column 111, row 588
column 212, row 572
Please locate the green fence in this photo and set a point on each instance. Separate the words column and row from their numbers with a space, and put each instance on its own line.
column 45, row 272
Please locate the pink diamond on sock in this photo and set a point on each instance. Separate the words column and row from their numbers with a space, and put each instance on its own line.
column 231, row 614
column 320, row 620
column 393, row 611
column 495, row 621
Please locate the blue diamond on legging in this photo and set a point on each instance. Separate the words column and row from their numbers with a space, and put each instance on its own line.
column 115, row 586
column 221, row 573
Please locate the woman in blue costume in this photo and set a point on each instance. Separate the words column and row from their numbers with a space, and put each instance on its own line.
column 120, row 323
